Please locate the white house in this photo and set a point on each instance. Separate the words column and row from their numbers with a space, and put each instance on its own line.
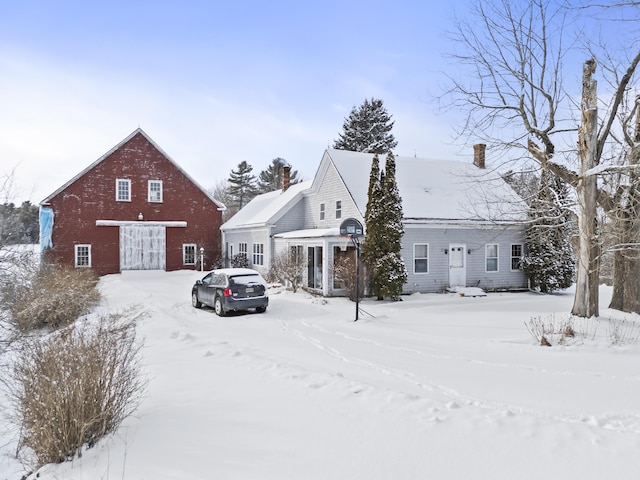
column 463, row 224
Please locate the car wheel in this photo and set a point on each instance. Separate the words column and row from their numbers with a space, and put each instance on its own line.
column 217, row 306
column 261, row 309
column 194, row 300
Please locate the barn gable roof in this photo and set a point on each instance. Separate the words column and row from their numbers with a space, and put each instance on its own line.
column 137, row 131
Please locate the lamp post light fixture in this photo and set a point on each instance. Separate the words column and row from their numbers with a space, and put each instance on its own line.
column 140, row 216
column 202, row 259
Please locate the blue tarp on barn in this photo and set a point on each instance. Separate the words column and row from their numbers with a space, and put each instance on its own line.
column 46, row 228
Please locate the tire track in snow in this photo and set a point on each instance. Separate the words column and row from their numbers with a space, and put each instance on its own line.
column 629, row 423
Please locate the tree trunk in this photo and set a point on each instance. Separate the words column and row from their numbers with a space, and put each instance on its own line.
column 626, row 280
column 585, row 302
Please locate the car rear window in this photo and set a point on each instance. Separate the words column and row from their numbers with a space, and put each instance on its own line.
column 245, row 279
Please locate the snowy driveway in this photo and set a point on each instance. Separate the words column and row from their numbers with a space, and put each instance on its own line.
column 435, row 386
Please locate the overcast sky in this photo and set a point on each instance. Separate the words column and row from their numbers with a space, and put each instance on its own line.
column 213, row 83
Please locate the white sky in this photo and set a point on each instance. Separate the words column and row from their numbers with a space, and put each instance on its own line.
column 213, row 83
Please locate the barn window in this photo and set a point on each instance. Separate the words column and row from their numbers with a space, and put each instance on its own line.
column 123, row 190
column 189, row 254
column 83, row 255
column 258, row 254
column 491, row 257
column 338, row 208
column 155, row 191
column 420, row 258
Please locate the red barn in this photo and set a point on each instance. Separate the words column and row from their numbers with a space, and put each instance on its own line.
column 132, row 209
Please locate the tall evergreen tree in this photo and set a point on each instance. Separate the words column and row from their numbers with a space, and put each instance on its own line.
column 549, row 261
column 390, row 272
column 372, row 247
column 270, row 179
column 242, row 185
column 383, row 219
column 367, row 129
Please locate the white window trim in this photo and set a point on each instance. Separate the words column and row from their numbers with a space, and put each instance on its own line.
column 75, row 259
column 427, row 257
column 244, row 251
column 497, row 257
column 184, row 253
column 338, row 209
column 512, row 257
column 322, row 211
column 153, row 200
column 128, row 182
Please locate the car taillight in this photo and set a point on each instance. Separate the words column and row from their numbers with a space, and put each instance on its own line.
column 227, row 292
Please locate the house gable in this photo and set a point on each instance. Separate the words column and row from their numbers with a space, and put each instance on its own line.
column 328, row 188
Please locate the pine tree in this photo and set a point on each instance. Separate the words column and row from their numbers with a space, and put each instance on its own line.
column 367, row 129
column 549, row 261
column 242, row 185
column 270, row 179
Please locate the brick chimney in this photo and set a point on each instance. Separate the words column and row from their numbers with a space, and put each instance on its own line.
column 286, row 177
column 478, row 154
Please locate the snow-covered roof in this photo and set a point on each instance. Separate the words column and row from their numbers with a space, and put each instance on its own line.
column 310, row 233
column 434, row 189
column 430, row 189
column 117, row 147
column 264, row 208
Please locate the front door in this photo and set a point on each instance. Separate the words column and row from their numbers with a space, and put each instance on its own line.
column 457, row 265
column 143, row 247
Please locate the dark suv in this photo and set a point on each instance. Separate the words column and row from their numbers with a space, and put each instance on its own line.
column 231, row 289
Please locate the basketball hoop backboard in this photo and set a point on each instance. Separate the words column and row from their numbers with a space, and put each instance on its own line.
column 351, row 228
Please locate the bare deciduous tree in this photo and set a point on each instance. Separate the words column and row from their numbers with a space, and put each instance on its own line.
column 288, row 267
column 514, row 97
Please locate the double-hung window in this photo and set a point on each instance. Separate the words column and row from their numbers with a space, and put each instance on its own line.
column 83, row 255
column 338, row 208
column 491, row 257
column 322, row 211
column 420, row 258
column 189, row 254
column 258, row 254
column 123, row 190
column 516, row 256
column 155, row 191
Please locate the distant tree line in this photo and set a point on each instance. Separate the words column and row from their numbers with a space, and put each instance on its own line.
column 19, row 224
column 242, row 186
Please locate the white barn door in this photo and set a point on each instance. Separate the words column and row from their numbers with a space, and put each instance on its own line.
column 143, row 247
column 457, row 265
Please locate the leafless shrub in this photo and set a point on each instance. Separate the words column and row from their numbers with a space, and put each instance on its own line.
column 53, row 296
column 561, row 329
column 623, row 332
column 288, row 267
column 344, row 272
column 73, row 386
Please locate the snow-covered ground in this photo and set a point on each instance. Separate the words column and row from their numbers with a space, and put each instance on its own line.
column 438, row 386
